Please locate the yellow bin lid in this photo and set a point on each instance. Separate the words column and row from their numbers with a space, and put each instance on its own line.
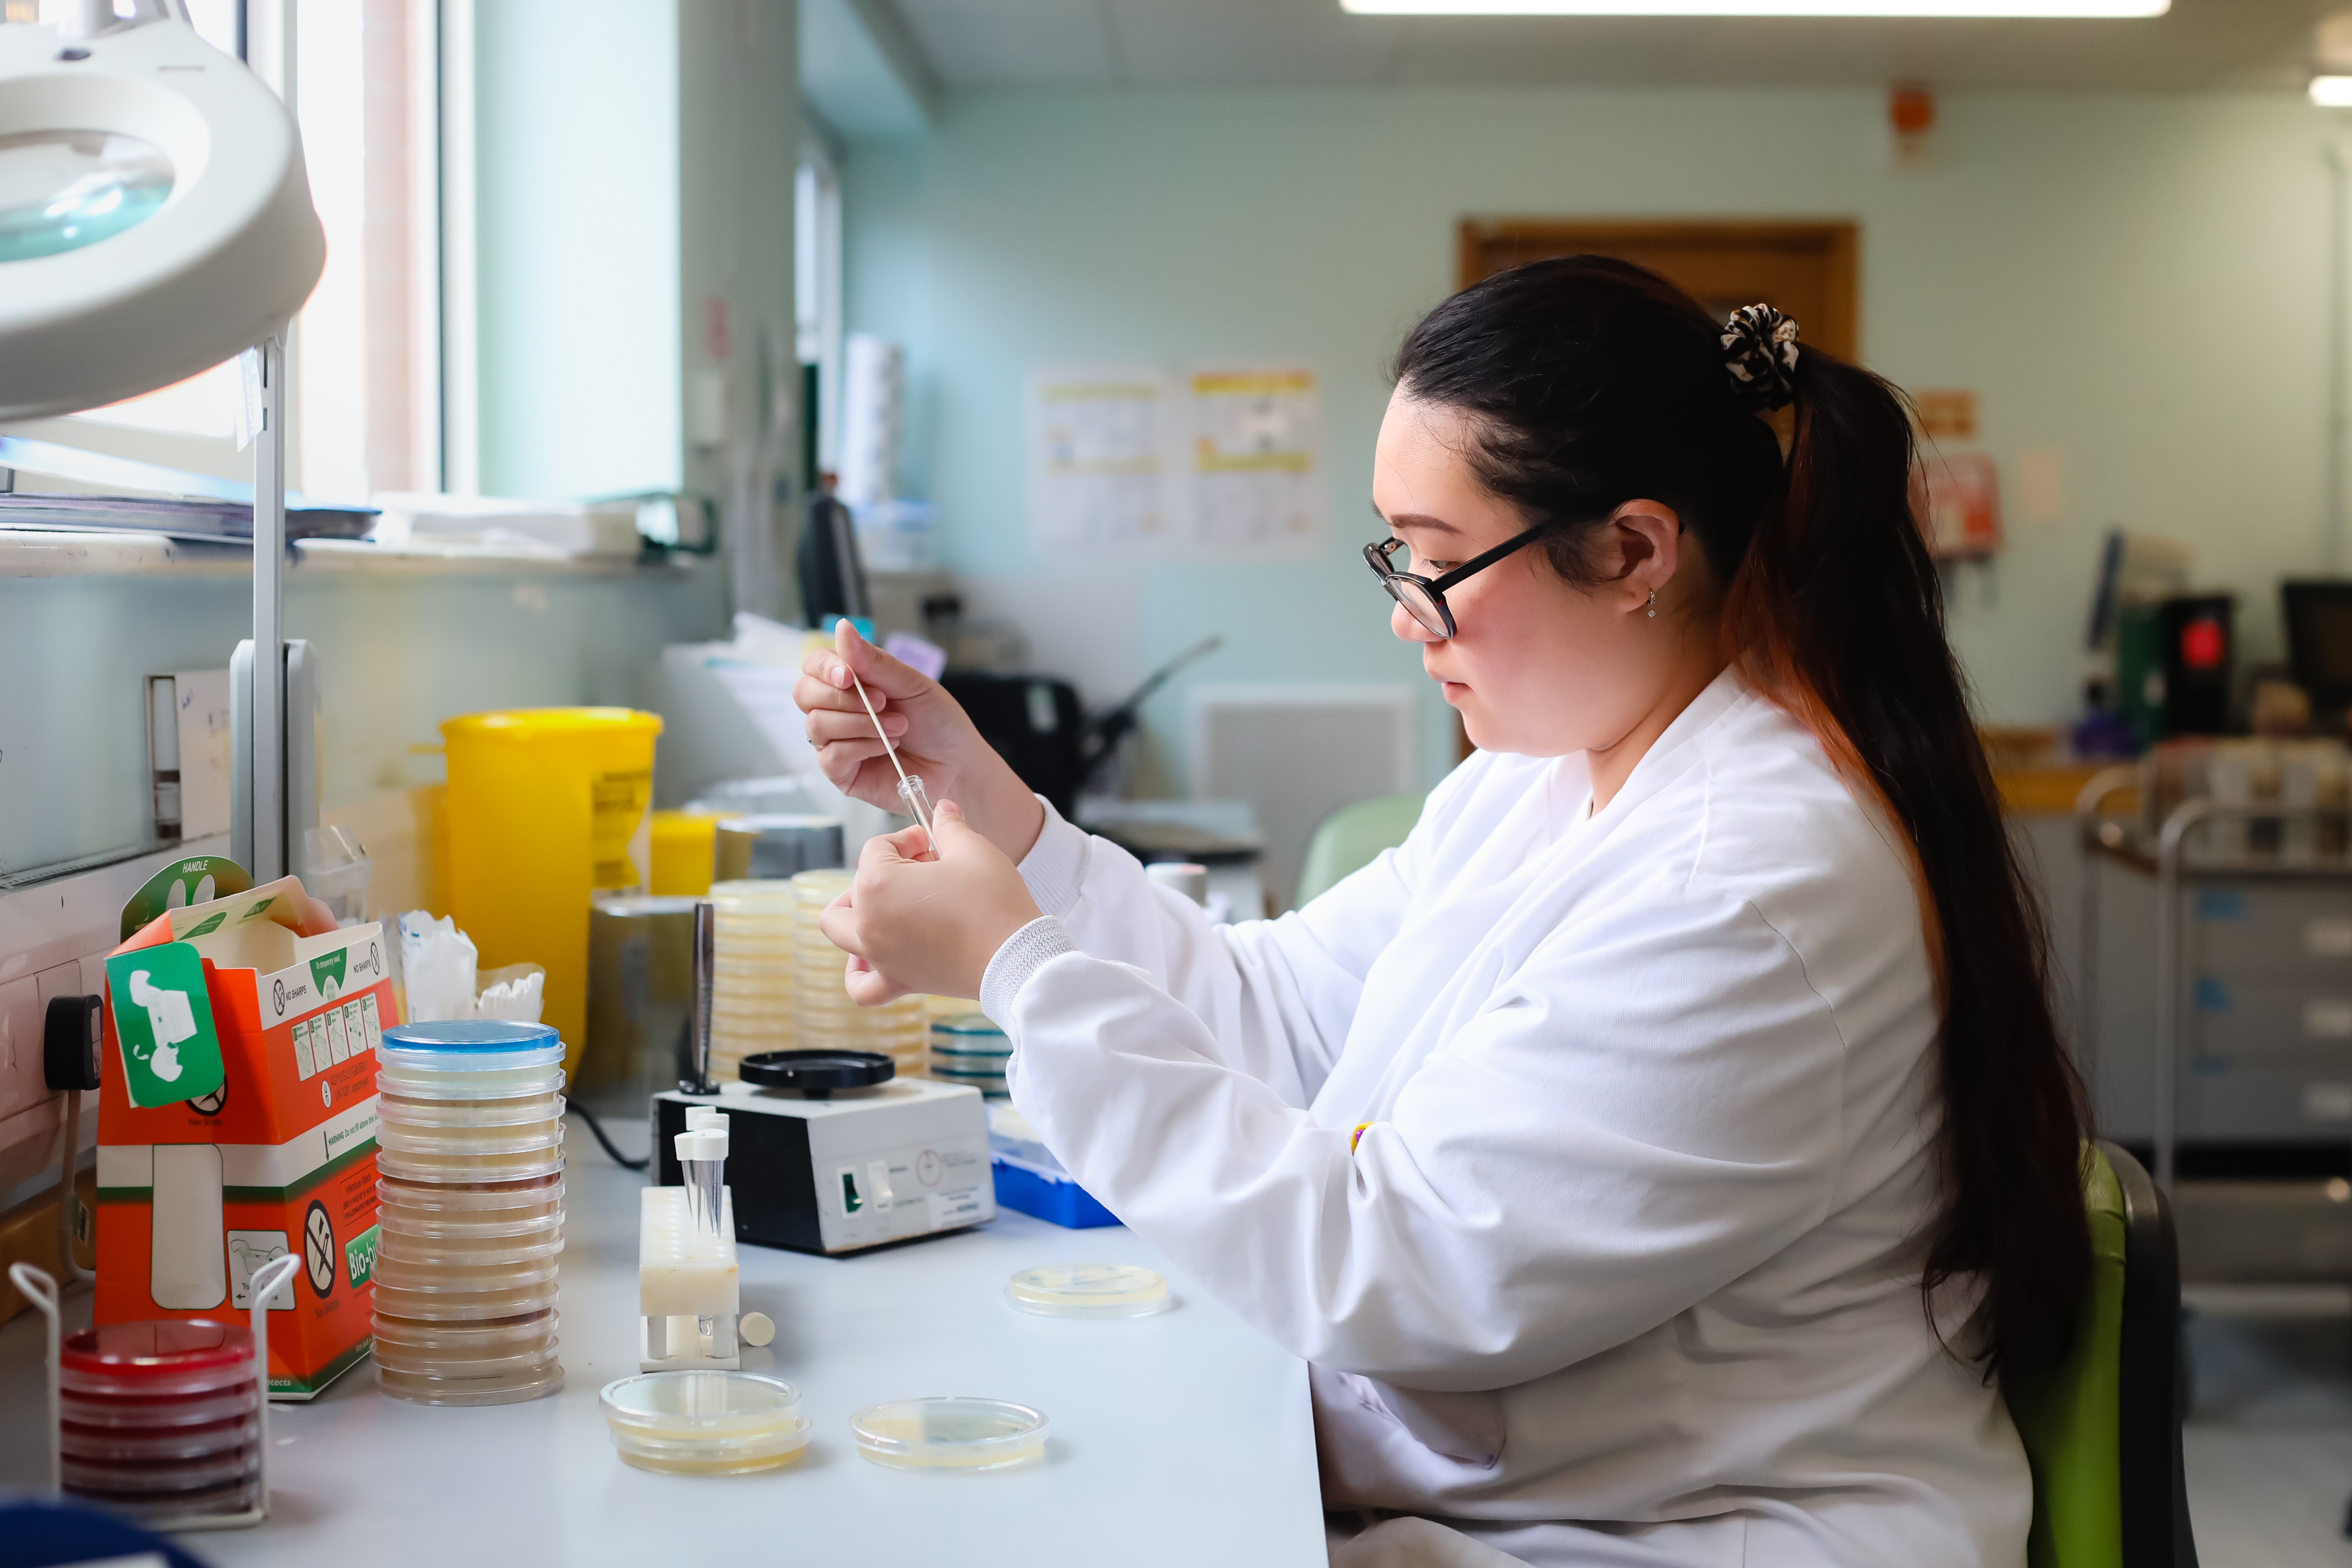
column 550, row 724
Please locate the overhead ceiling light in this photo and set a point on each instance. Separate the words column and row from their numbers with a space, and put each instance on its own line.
column 2332, row 92
column 2098, row 9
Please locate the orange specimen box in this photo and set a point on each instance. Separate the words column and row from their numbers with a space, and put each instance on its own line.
column 275, row 1154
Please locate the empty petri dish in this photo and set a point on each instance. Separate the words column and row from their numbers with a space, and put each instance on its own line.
column 705, row 1423
column 1089, row 1290
column 949, row 1434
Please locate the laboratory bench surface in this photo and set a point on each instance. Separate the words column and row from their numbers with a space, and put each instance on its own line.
column 1181, row 1438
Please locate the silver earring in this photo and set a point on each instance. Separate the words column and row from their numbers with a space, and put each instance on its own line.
column 1654, row 604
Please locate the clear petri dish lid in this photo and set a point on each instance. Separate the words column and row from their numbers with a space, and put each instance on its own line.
column 949, row 1434
column 147, row 1414
column 397, row 1247
column 171, row 1443
column 466, row 1364
column 450, row 1307
column 463, row 1275
column 704, row 1407
column 463, row 1144
column 191, row 1476
column 469, row 1088
column 161, row 1357
column 413, row 1166
column 504, row 1113
column 482, row 1226
column 1089, row 1290
column 425, row 1334
column 482, row 1201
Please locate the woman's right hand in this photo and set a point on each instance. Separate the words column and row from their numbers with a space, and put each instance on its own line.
column 934, row 735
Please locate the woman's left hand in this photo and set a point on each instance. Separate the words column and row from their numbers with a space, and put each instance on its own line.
column 932, row 925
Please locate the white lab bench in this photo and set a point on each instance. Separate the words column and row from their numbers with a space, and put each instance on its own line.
column 1183, row 1438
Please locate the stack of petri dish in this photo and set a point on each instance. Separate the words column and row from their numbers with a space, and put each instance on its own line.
column 827, row 1019
column 160, row 1419
column 967, row 1049
column 705, row 1423
column 470, row 1200
column 752, row 981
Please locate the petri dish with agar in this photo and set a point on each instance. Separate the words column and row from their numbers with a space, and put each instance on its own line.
column 1089, row 1290
column 949, row 1434
column 160, row 1418
column 705, row 1423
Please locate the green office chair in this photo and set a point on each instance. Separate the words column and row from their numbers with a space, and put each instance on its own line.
column 1351, row 838
column 2102, row 1429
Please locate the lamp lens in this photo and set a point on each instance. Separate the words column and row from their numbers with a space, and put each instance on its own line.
column 61, row 190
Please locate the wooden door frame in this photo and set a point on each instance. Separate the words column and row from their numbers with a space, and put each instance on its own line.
column 1837, row 241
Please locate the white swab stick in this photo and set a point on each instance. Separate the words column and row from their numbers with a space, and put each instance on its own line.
column 929, row 842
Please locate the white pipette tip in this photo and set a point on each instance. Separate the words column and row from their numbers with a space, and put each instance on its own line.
column 911, row 791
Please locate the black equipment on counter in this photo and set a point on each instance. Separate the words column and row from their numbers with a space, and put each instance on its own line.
column 832, row 573
column 1035, row 723
column 817, row 1073
column 2319, row 641
column 2173, row 662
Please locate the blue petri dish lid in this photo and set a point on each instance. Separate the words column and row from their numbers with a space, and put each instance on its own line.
column 968, row 1025
column 471, row 1035
column 470, row 1045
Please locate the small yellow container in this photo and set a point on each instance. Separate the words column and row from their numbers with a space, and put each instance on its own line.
column 686, row 847
column 543, row 805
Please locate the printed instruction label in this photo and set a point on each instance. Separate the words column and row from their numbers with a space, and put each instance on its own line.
column 951, row 1209
column 247, row 1251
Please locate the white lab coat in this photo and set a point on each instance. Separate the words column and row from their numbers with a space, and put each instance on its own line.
column 1584, row 1156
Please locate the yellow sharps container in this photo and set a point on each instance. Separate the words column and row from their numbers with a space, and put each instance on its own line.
column 543, row 806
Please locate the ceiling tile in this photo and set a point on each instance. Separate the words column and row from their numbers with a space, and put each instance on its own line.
column 1313, row 43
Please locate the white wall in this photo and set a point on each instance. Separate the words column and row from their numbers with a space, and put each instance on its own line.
column 398, row 653
column 2137, row 281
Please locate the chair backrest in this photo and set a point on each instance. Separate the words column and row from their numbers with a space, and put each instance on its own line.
column 2102, row 1428
column 1352, row 837
column 2155, row 1392
column 2068, row 1415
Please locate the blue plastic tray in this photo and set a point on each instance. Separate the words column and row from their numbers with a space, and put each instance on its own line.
column 1057, row 1198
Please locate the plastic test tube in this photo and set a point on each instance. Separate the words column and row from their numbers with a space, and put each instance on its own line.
column 702, row 1165
column 919, row 805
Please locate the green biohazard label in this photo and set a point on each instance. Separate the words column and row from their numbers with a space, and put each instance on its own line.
column 206, row 927
column 164, row 1021
column 327, row 971
column 358, row 1256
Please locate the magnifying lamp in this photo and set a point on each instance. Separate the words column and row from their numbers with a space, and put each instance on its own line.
column 155, row 220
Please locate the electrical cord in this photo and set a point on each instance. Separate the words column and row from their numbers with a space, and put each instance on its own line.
column 597, row 1127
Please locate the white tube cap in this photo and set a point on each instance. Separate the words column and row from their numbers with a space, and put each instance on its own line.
column 701, row 1143
column 699, row 1117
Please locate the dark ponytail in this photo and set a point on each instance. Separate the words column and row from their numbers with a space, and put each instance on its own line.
column 1591, row 382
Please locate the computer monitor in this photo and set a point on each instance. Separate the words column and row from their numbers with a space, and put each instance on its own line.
column 2319, row 640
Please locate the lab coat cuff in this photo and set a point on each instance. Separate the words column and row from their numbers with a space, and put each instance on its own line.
column 1055, row 866
column 1025, row 952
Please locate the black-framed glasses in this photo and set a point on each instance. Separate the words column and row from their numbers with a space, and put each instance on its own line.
column 1424, row 598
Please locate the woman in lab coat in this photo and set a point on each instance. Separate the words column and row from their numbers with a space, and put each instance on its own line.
column 1661, row 1155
